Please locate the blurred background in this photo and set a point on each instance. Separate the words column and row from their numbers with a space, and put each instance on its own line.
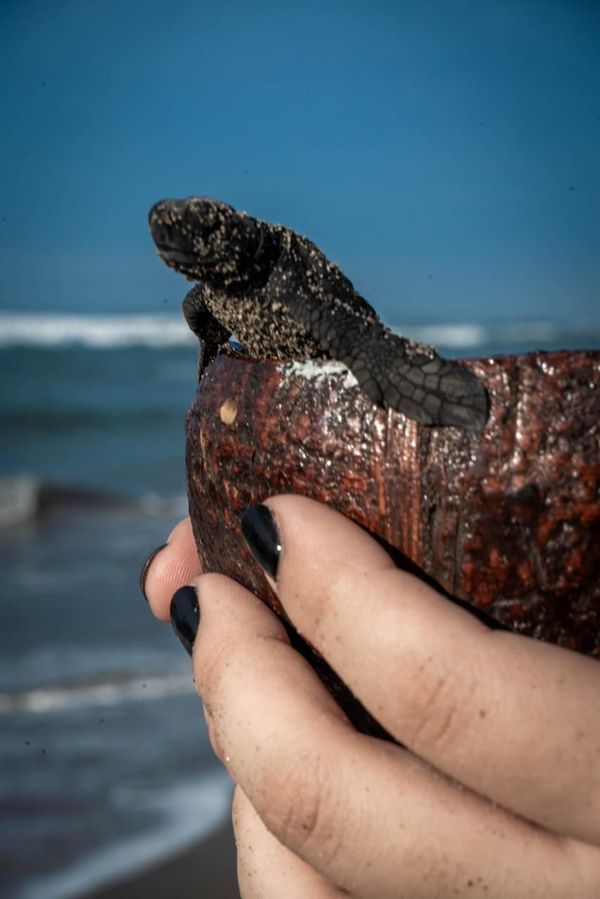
column 445, row 155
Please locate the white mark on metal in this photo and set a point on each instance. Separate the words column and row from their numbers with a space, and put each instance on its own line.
column 315, row 369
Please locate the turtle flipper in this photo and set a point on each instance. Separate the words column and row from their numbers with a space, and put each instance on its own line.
column 209, row 331
column 393, row 371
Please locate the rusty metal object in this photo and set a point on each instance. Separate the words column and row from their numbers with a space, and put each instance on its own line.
column 507, row 519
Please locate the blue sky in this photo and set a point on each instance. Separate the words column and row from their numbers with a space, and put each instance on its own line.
column 445, row 154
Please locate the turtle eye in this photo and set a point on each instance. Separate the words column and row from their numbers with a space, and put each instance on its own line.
column 161, row 236
column 164, row 237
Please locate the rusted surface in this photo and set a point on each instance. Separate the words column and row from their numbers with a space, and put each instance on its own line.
column 508, row 519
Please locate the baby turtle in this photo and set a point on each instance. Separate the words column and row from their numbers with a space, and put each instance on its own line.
column 279, row 295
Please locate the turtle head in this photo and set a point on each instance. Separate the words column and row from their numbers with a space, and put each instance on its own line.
column 207, row 240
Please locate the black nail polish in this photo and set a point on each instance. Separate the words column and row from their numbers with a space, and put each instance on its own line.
column 185, row 616
column 146, row 568
column 258, row 527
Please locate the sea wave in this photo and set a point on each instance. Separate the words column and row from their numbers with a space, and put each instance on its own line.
column 187, row 812
column 96, row 331
column 163, row 330
column 526, row 334
column 108, row 691
column 25, row 498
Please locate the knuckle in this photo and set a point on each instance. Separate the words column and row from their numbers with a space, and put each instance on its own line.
column 439, row 707
column 299, row 807
column 292, row 808
column 208, row 671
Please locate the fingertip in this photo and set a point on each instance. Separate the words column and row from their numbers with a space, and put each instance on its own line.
column 185, row 616
column 315, row 544
column 228, row 608
column 146, row 568
column 174, row 566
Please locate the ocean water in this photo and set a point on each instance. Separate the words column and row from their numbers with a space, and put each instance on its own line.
column 104, row 760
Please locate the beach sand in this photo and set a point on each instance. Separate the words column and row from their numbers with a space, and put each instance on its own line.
column 204, row 871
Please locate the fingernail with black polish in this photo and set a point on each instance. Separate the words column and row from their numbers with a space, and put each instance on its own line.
column 258, row 527
column 146, row 569
column 185, row 616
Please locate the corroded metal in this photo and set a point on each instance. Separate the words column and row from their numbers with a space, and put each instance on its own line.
column 507, row 519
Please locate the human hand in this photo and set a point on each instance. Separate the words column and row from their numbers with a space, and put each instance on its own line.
column 495, row 791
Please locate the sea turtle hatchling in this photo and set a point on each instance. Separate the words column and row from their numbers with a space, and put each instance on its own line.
column 278, row 294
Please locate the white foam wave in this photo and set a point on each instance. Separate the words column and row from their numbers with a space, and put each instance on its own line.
column 471, row 335
column 24, row 497
column 45, row 700
column 165, row 330
column 156, row 504
column 189, row 812
column 98, row 331
column 467, row 335
column 19, row 500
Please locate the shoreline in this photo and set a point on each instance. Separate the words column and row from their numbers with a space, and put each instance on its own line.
column 206, row 868
column 193, row 836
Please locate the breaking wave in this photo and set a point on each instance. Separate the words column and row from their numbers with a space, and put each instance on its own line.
column 114, row 331
column 473, row 336
column 187, row 811
column 25, row 498
column 96, row 331
column 112, row 690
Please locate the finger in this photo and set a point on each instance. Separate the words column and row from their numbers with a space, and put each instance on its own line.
column 515, row 719
column 268, row 870
column 367, row 815
column 175, row 565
